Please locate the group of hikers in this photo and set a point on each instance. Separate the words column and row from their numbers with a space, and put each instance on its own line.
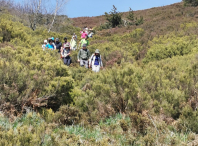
column 84, row 57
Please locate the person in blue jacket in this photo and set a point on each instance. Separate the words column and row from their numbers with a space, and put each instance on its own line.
column 50, row 45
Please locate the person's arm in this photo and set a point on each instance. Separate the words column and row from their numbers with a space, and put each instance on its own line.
column 43, row 47
column 90, row 60
column 71, row 41
column 68, row 53
column 62, row 48
column 62, row 53
column 88, row 53
column 54, row 46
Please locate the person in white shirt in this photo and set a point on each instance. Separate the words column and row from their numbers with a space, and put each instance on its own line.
column 96, row 61
column 44, row 45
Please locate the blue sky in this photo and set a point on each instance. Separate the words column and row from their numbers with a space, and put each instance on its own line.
column 78, row 8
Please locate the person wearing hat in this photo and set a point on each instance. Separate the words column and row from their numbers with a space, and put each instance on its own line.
column 58, row 45
column 64, row 44
column 83, row 56
column 66, row 55
column 74, row 35
column 96, row 61
column 53, row 42
column 44, row 46
column 73, row 43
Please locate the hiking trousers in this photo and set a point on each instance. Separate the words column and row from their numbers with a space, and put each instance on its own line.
column 96, row 68
column 67, row 61
column 84, row 63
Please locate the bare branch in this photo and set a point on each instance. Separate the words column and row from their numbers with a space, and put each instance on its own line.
column 59, row 4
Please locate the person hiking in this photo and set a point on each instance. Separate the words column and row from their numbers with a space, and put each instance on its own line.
column 50, row 45
column 90, row 35
column 84, row 41
column 53, row 42
column 64, row 44
column 74, row 35
column 58, row 45
column 73, row 43
column 66, row 55
column 86, row 30
column 83, row 34
column 90, row 29
column 96, row 61
column 44, row 46
column 83, row 56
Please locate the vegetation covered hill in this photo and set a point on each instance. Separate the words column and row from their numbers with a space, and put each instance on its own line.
column 145, row 95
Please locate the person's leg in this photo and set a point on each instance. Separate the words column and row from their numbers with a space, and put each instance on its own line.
column 65, row 60
column 81, row 63
column 94, row 68
column 98, row 68
column 86, row 64
column 68, row 62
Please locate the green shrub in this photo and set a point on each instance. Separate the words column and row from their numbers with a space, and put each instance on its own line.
column 68, row 115
column 191, row 2
column 114, row 17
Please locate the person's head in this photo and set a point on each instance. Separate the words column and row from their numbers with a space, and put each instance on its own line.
column 67, row 47
column 45, row 42
column 57, row 40
column 65, row 39
column 84, row 46
column 86, row 37
column 97, row 52
column 50, row 41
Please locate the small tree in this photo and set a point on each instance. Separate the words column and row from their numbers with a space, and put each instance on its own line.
column 36, row 9
column 133, row 20
column 191, row 2
column 59, row 5
column 139, row 21
column 131, row 15
column 114, row 17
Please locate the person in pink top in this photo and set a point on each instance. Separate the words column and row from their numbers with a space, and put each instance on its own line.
column 84, row 34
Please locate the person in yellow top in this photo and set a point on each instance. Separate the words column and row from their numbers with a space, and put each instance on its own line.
column 84, row 41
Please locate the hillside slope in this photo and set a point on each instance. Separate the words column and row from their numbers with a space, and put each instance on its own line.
column 158, row 20
column 145, row 95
